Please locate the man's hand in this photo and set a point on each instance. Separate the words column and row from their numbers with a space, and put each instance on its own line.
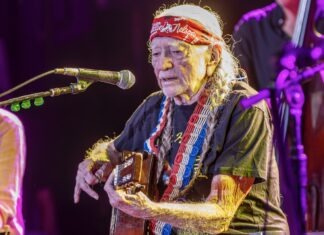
column 137, row 205
column 90, row 173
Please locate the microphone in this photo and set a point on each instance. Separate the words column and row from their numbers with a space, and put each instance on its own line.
column 124, row 79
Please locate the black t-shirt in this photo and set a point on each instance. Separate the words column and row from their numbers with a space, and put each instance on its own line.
column 181, row 115
column 241, row 146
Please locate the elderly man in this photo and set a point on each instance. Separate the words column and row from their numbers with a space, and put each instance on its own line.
column 12, row 167
column 216, row 168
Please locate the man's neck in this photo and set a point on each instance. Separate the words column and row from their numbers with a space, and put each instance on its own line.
column 185, row 99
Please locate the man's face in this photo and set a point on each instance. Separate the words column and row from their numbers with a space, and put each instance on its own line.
column 180, row 68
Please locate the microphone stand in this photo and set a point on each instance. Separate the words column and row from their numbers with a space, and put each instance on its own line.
column 295, row 99
column 74, row 88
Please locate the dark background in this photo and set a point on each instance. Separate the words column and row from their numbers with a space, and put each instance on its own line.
column 37, row 36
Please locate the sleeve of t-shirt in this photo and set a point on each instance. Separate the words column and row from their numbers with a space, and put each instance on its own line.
column 248, row 145
column 139, row 125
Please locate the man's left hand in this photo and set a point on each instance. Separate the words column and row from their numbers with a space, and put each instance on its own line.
column 136, row 205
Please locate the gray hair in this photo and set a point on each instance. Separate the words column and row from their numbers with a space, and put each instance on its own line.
column 227, row 68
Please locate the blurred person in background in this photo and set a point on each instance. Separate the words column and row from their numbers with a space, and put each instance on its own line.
column 260, row 38
column 12, row 166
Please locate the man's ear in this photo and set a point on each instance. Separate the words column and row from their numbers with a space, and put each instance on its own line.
column 214, row 61
column 211, row 66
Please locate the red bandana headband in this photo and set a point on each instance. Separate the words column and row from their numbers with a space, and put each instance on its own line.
column 184, row 29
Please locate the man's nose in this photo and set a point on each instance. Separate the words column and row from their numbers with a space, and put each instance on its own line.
column 166, row 62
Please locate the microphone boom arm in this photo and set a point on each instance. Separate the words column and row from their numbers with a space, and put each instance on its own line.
column 74, row 88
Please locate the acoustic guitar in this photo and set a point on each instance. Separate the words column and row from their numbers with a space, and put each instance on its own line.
column 135, row 173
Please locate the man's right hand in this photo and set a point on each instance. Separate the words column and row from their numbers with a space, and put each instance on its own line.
column 89, row 173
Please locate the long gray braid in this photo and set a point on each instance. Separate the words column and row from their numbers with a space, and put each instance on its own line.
column 165, row 141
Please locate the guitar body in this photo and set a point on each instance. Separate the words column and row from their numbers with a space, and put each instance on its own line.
column 135, row 173
column 123, row 224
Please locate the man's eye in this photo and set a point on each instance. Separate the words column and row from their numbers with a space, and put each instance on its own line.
column 157, row 53
column 177, row 52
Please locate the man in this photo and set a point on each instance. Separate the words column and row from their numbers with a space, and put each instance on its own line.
column 216, row 169
column 12, row 166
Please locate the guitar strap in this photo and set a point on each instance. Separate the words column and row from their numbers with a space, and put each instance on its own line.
column 190, row 147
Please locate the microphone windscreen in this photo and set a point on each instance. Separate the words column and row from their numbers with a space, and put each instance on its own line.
column 127, row 79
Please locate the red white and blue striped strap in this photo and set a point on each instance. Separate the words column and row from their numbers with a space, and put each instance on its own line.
column 190, row 147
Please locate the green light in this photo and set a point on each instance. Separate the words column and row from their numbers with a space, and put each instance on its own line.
column 26, row 104
column 15, row 107
column 39, row 101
